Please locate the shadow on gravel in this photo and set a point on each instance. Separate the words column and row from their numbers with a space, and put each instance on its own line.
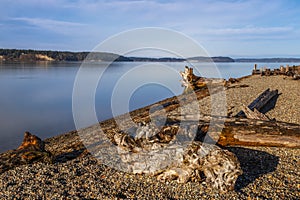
column 254, row 164
column 271, row 104
column 64, row 157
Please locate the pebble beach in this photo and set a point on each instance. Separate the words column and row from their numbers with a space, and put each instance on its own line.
column 268, row 172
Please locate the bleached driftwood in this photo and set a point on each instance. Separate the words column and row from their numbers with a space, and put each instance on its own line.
column 159, row 153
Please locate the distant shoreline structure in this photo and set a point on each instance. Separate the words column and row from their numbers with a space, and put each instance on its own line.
column 29, row 55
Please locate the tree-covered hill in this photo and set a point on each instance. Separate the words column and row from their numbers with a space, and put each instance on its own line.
column 38, row 55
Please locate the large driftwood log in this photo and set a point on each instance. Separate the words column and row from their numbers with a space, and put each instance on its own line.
column 246, row 132
column 258, row 130
column 251, row 132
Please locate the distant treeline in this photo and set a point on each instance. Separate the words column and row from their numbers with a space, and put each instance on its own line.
column 17, row 55
column 32, row 55
column 268, row 60
column 210, row 59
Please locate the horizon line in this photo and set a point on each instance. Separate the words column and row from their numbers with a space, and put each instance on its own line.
column 228, row 56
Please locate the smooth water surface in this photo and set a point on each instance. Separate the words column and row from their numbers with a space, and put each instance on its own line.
column 37, row 97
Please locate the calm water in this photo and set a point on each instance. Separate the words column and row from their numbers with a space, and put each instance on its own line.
column 38, row 97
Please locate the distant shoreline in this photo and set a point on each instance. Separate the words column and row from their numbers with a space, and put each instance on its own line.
column 19, row 55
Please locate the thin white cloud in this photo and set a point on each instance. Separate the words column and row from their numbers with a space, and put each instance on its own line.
column 49, row 24
column 249, row 30
column 119, row 4
column 33, row 2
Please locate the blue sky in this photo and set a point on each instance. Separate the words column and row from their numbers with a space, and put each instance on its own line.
column 241, row 28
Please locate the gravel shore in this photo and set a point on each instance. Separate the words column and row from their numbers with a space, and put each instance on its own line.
column 269, row 172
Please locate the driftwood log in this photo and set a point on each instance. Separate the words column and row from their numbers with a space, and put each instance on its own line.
column 249, row 127
column 191, row 82
column 246, row 132
column 249, row 132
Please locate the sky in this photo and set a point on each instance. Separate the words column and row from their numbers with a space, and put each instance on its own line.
column 236, row 28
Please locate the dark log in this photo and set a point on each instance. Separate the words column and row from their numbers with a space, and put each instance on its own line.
column 261, row 102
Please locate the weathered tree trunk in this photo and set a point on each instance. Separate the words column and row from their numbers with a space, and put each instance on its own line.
column 249, row 132
column 258, row 130
column 246, row 132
